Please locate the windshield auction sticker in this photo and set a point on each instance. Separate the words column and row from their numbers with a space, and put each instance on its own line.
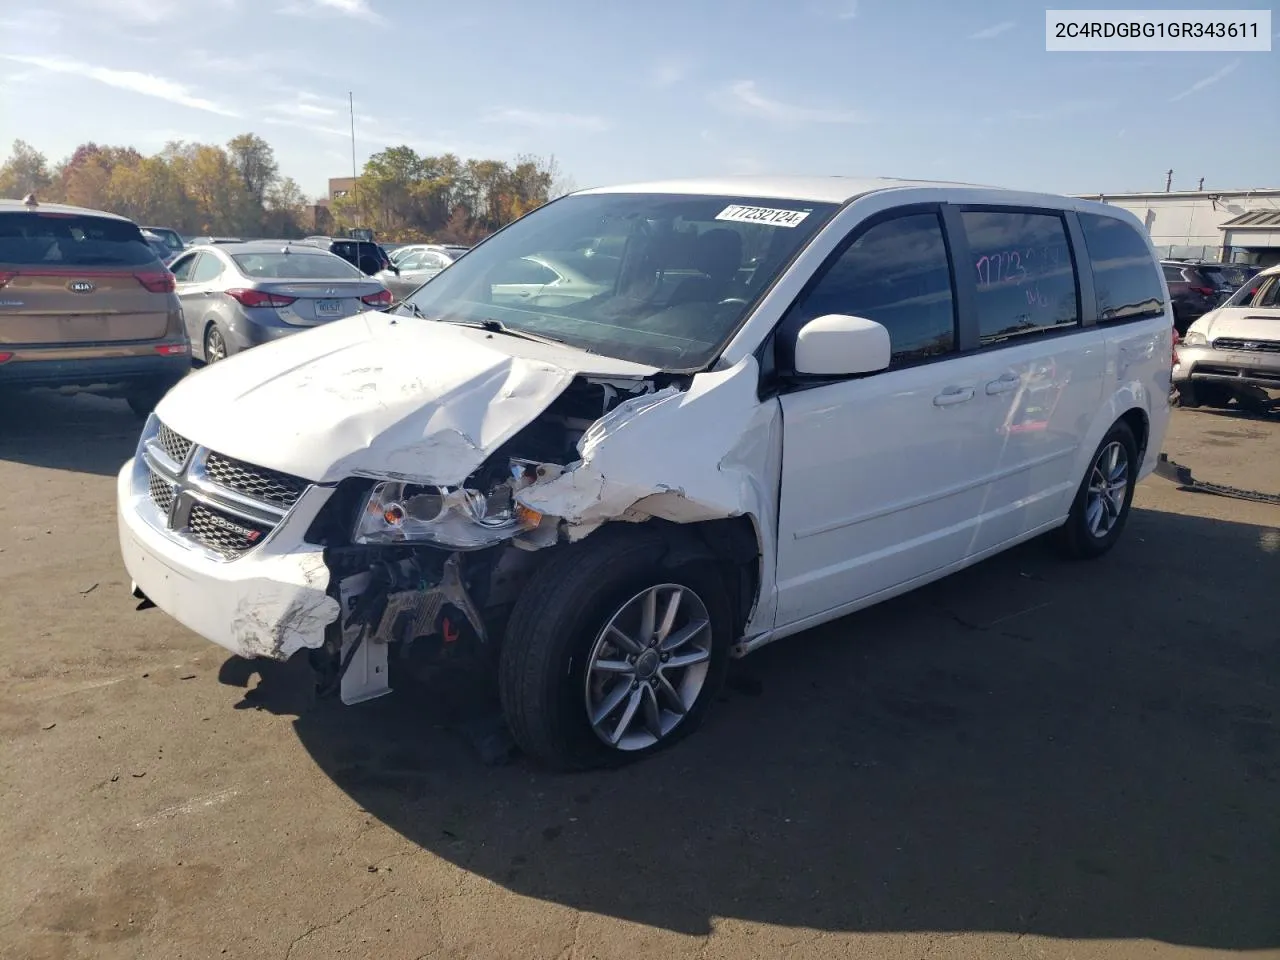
column 776, row 218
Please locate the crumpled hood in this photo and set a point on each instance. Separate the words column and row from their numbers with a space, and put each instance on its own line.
column 1243, row 323
column 377, row 395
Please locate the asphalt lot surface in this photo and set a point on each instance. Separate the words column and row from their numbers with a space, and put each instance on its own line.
column 1030, row 759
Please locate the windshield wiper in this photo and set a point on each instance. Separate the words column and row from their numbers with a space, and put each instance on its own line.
column 497, row 326
column 412, row 307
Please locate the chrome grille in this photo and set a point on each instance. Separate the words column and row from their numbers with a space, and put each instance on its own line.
column 1248, row 346
column 160, row 491
column 223, row 532
column 259, row 483
column 175, row 446
column 222, row 505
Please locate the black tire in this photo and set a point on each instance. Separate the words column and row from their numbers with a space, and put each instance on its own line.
column 1188, row 396
column 1076, row 538
column 142, row 399
column 554, row 625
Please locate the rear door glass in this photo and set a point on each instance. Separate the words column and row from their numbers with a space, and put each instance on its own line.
column 51, row 240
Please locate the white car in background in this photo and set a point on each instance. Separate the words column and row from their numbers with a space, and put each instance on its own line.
column 1233, row 352
column 774, row 402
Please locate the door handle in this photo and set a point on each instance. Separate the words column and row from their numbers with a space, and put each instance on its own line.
column 1004, row 384
column 953, row 395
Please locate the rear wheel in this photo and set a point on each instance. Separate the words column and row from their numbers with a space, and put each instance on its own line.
column 1101, row 506
column 215, row 345
column 615, row 650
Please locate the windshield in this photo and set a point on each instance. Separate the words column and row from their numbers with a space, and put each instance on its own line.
column 658, row 279
column 295, row 266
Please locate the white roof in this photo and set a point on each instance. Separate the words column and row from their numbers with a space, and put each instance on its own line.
column 812, row 189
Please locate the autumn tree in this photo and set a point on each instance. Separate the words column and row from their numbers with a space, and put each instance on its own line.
column 26, row 171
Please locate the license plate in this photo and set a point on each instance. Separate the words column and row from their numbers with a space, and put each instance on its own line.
column 1244, row 359
column 328, row 308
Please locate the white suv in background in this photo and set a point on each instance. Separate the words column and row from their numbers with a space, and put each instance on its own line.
column 1233, row 352
column 783, row 400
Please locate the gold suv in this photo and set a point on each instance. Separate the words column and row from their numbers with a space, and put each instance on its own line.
column 86, row 302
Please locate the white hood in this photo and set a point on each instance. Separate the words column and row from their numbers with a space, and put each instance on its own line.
column 377, row 395
column 1242, row 323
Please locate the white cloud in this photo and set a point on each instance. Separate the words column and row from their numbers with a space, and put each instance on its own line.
column 146, row 84
column 143, row 11
column 987, row 33
column 1206, row 81
column 358, row 9
column 547, row 121
column 743, row 97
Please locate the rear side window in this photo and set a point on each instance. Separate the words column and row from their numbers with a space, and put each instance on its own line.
column 897, row 274
column 1173, row 273
column 182, row 267
column 1024, row 272
column 72, row 240
column 208, row 268
column 294, row 266
column 1125, row 281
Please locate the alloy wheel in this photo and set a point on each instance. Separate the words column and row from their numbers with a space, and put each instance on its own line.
column 1108, row 487
column 648, row 666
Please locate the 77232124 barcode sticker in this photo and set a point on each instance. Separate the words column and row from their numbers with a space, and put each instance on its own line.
column 737, row 213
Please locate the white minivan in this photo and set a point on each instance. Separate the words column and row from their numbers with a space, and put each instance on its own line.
column 759, row 404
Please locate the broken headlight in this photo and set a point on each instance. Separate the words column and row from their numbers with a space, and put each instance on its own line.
column 461, row 518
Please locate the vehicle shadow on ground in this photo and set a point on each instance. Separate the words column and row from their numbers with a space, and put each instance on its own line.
column 1031, row 746
column 81, row 432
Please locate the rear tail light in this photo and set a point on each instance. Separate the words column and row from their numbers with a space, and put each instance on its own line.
column 173, row 349
column 5, row 356
column 6, row 276
column 257, row 298
column 1177, row 339
column 380, row 299
column 157, row 281
column 1205, row 291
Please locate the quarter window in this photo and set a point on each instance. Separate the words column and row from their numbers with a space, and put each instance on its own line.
column 1025, row 278
column 897, row 274
column 1125, row 281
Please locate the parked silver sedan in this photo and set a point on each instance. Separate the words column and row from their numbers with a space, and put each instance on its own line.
column 238, row 295
column 417, row 267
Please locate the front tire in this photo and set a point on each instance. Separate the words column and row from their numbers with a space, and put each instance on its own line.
column 1101, row 507
column 615, row 649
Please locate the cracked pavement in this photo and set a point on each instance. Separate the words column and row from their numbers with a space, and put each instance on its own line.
column 1030, row 759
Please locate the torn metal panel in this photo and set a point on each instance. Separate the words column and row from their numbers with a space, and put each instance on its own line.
column 710, row 452
column 378, row 395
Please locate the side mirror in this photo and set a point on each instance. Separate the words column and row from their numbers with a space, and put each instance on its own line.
column 837, row 345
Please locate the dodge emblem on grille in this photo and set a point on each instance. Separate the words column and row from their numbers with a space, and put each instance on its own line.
column 247, row 532
column 80, row 286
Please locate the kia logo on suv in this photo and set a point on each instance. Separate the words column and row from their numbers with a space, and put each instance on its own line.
column 80, row 286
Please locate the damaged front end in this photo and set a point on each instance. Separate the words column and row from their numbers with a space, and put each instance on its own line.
column 434, row 568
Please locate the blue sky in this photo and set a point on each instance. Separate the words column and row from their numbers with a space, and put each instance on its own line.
column 620, row 90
